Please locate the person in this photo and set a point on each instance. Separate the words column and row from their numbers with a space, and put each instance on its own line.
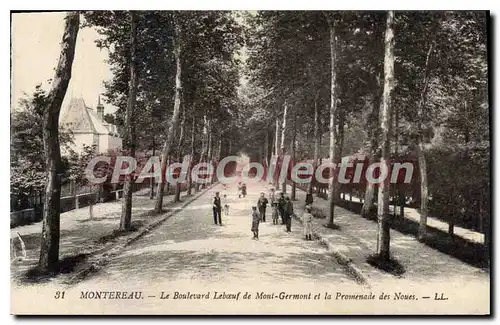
column 281, row 207
column 217, row 208
column 288, row 212
column 272, row 197
column 309, row 198
column 307, row 222
column 240, row 189
column 262, row 205
column 244, row 189
column 255, row 223
column 275, row 214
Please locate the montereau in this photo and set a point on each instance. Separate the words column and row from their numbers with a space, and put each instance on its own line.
column 111, row 295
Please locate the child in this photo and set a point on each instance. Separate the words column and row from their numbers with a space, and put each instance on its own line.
column 307, row 221
column 255, row 223
column 275, row 214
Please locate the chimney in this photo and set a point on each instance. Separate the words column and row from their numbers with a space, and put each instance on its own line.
column 100, row 108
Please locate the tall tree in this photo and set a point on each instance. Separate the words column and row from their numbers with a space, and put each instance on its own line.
column 283, row 139
column 49, row 248
column 332, row 24
column 383, row 235
column 175, row 115
column 177, row 195
column 129, row 136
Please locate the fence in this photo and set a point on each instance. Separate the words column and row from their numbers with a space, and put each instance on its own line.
column 71, row 202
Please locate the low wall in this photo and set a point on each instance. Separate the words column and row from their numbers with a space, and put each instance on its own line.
column 22, row 217
column 68, row 203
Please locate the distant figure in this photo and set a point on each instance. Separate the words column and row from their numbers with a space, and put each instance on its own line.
column 307, row 221
column 217, row 209
column 272, row 197
column 288, row 212
column 226, row 209
column 281, row 207
column 240, row 189
column 275, row 215
column 244, row 189
column 255, row 223
column 309, row 198
column 262, row 205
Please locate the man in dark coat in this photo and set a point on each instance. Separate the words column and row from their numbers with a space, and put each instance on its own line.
column 217, row 209
column 309, row 198
column 288, row 214
column 281, row 207
column 262, row 205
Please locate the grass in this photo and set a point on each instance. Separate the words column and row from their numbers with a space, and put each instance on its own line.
column 471, row 253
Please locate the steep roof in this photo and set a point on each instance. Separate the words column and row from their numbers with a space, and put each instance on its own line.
column 78, row 117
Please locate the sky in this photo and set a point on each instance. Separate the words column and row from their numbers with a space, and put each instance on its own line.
column 35, row 51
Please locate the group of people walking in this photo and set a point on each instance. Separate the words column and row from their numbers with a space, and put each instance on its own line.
column 282, row 208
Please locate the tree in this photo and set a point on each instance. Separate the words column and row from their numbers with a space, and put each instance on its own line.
column 383, row 235
column 334, row 159
column 49, row 250
column 129, row 139
column 28, row 169
column 177, row 196
column 175, row 115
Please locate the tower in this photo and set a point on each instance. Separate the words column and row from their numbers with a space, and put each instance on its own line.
column 100, row 108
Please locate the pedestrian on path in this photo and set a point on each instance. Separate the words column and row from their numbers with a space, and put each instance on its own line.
column 244, row 189
column 275, row 214
column 240, row 189
column 262, row 205
column 307, row 222
column 255, row 223
column 309, row 198
column 272, row 197
column 281, row 207
column 288, row 212
column 217, row 209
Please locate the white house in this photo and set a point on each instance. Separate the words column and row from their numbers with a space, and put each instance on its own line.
column 89, row 128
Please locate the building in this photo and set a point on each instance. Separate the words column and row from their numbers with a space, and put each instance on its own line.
column 89, row 127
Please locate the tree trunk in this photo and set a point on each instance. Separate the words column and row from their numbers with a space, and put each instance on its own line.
column 177, row 195
column 397, row 195
column 191, row 158
column 340, row 143
column 217, row 159
column 316, row 141
column 209, row 146
column 422, row 167
column 204, row 143
column 373, row 133
column 266, row 150
column 174, row 120
column 294, row 145
column 277, row 137
column 129, row 135
column 91, row 204
column 422, row 164
column 383, row 236
column 282, row 146
column 333, row 115
column 152, row 188
column 49, row 246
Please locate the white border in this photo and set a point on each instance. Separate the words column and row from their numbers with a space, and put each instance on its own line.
column 199, row 5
